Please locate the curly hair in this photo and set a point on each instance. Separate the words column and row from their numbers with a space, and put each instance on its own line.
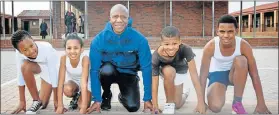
column 18, row 36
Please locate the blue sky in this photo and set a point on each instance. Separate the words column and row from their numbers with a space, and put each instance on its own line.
column 19, row 6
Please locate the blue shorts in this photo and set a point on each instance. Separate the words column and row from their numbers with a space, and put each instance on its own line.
column 220, row 77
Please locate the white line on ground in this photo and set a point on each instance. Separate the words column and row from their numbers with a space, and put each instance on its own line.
column 268, row 68
column 11, row 81
column 8, row 82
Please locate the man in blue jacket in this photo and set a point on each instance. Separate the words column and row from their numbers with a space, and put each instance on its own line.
column 117, row 53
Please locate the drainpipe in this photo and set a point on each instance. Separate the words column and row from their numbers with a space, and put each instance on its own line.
column 213, row 19
column 254, row 21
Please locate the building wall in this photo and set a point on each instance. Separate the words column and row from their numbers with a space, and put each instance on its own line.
column 150, row 17
column 98, row 15
column 34, row 26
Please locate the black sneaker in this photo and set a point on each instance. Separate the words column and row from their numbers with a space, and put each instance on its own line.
column 34, row 108
column 106, row 102
column 74, row 102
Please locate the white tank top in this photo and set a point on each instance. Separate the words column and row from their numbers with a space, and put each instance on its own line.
column 74, row 73
column 220, row 62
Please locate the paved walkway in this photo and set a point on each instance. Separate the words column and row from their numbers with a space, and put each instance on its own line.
column 267, row 60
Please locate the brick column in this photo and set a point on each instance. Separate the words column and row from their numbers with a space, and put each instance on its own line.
column 250, row 22
column 57, row 30
column 262, row 25
column 275, row 22
column 63, row 11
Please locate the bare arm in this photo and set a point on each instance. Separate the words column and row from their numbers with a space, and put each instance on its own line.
column 21, row 82
column 21, row 93
column 61, row 80
column 195, row 80
column 84, row 81
column 155, row 78
column 155, row 83
column 55, row 97
column 21, row 85
column 205, row 63
column 246, row 50
column 22, row 102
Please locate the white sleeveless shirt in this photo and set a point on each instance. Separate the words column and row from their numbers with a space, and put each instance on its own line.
column 74, row 73
column 220, row 62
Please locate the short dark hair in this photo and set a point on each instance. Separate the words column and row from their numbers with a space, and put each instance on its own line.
column 170, row 31
column 73, row 36
column 19, row 36
column 228, row 19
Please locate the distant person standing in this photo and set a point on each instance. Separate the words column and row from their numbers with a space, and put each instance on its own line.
column 69, row 18
column 80, row 24
column 74, row 22
column 43, row 28
column 1, row 29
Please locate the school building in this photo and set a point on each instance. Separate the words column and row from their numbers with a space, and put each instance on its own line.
column 30, row 20
column 266, row 21
column 196, row 20
column 7, row 19
column 193, row 18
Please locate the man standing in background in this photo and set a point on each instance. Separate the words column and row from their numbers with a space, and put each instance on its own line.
column 69, row 18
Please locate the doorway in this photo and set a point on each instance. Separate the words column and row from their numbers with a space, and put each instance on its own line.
column 26, row 26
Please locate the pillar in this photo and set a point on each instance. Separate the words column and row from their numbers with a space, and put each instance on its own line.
column 63, row 10
column 57, row 23
column 10, row 24
column 262, row 25
column 40, row 21
column 249, row 22
column 275, row 22
column 19, row 23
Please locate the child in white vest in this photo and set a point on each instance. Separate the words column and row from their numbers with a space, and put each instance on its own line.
column 74, row 80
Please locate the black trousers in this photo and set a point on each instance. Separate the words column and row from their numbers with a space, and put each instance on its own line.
column 128, row 84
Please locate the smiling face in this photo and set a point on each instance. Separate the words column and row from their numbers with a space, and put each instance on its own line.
column 73, row 49
column 170, row 45
column 119, row 18
column 28, row 48
column 226, row 33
